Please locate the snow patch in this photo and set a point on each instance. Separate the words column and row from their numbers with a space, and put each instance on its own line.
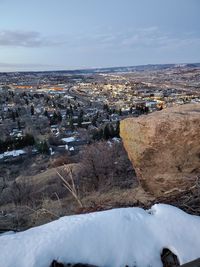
column 113, row 238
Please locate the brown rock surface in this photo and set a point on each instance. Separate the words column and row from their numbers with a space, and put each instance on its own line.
column 164, row 148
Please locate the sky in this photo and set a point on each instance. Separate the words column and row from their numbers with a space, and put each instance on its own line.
column 79, row 34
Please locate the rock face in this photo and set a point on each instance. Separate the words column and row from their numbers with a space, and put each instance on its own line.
column 164, row 148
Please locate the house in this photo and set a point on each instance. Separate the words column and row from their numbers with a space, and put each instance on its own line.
column 85, row 124
column 55, row 130
column 12, row 155
column 74, row 142
column 114, row 117
column 151, row 104
column 69, row 140
column 16, row 133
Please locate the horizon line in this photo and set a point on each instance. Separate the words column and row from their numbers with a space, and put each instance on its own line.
column 100, row 68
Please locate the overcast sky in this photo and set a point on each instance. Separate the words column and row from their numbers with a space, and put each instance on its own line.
column 70, row 34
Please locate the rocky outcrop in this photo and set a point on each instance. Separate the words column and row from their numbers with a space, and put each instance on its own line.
column 164, row 148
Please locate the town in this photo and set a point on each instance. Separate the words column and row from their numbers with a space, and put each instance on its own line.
column 60, row 112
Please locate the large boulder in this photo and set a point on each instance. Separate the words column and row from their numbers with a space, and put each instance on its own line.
column 164, row 148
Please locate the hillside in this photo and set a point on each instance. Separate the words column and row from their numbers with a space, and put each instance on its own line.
column 164, row 150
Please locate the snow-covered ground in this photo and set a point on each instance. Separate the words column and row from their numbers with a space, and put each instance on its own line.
column 112, row 238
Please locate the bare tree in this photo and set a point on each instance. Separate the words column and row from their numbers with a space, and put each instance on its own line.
column 69, row 183
column 21, row 192
column 106, row 164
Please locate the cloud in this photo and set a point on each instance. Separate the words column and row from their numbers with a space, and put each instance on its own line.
column 153, row 37
column 26, row 39
column 149, row 38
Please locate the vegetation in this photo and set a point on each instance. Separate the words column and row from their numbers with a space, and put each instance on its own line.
column 107, row 132
column 16, row 143
column 43, row 147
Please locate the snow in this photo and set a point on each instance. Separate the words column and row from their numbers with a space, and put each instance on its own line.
column 114, row 238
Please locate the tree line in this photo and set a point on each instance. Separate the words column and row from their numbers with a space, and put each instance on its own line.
column 16, row 143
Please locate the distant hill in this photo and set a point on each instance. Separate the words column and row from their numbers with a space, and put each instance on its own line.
column 149, row 67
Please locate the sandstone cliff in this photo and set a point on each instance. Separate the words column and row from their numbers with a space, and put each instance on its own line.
column 164, row 147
